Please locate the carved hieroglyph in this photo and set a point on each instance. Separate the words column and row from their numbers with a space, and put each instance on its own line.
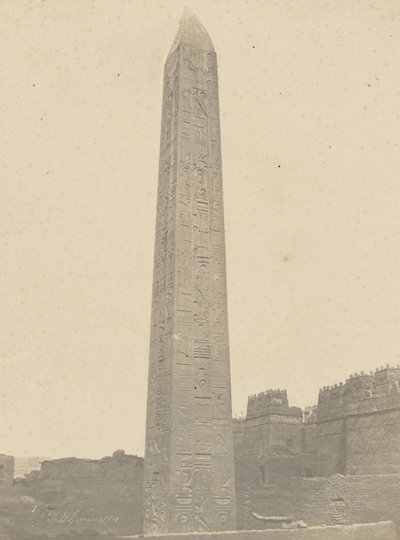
column 189, row 471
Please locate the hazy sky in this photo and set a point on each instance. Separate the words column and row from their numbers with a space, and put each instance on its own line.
column 310, row 104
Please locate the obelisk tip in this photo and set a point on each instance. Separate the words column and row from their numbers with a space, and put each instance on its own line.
column 191, row 32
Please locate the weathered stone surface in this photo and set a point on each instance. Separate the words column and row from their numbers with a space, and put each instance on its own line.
column 189, row 480
column 369, row 531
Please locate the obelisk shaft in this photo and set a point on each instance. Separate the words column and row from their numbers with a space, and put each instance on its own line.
column 189, row 474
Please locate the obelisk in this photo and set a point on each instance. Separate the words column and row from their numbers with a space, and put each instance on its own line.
column 189, row 472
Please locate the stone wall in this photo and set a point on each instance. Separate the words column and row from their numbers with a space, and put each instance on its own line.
column 6, row 469
column 330, row 447
column 271, row 443
column 335, row 500
column 358, row 425
column 373, row 442
column 330, row 432
column 354, row 429
column 338, row 462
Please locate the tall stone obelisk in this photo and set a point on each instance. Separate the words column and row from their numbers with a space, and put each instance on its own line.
column 189, row 471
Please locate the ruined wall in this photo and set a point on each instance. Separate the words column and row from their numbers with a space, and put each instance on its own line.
column 119, row 466
column 74, row 494
column 6, row 469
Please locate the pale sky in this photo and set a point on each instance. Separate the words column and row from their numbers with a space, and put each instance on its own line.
column 310, row 105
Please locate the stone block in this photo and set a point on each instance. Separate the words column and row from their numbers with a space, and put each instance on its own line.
column 384, row 530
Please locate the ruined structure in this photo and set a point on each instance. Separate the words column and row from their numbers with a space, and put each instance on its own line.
column 74, row 494
column 119, row 466
column 319, row 464
column 6, row 470
column 189, row 470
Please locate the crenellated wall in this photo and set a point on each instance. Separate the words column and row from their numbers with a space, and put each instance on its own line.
column 336, row 462
column 267, row 402
column 358, row 425
column 372, row 419
column 354, row 429
column 272, row 439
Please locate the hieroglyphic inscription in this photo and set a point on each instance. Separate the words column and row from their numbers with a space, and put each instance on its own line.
column 189, row 476
column 157, row 462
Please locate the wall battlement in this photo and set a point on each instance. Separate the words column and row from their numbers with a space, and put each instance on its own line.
column 270, row 396
column 271, row 402
column 361, row 393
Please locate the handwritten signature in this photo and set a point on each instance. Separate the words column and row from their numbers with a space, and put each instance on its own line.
column 76, row 516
